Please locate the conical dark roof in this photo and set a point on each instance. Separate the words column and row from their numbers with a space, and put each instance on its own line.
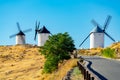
column 97, row 30
column 43, row 30
column 20, row 33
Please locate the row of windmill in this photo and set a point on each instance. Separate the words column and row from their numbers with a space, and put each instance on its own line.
column 96, row 35
column 43, row 34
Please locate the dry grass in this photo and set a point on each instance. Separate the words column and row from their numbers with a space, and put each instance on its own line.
column 20, row 63
column 116, row 46
column 97, row 51
column 62, row 70
column 24, row 62
column 90, row 52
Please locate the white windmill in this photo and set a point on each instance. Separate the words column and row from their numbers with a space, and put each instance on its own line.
column 20, row 36
column 97, row 34
column 43, row 34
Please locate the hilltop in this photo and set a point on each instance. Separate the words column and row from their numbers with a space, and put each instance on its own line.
column 24, row 62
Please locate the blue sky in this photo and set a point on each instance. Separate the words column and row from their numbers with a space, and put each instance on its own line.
column 59, row 16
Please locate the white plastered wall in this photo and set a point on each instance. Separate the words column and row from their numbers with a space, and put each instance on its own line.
column 96, row 40
column 20, row 39
column 42, row 37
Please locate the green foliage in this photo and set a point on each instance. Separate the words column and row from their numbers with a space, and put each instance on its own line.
column 56, row 49
column 50, row 64
column 108, row 52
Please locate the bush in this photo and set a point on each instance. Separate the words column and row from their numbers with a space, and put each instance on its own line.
column 50, row 64
column 56, row 49
column 108, row 52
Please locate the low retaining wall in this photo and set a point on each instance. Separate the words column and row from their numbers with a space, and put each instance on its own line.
column 88, row 75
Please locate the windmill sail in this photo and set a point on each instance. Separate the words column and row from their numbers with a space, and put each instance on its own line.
column 84, row 40
column 106, row 25
column 95, row 23
column 18, row 25
column 109, row 36
column 27, row 30
column 36, row 29
column 20, row 31
column 107, row 22
column 12, row 36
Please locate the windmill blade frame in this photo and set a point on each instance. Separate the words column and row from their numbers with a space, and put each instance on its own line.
column 107, row 21
column 84, row 40
column 27, row 30
column 18, row 25
column 109, row 36
column 36, row 29
column 35, row 35
column 38, row 25
column 95, row 23
column 12, row 36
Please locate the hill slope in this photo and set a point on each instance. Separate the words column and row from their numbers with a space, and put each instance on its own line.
column 24, row 62
column 20, row 62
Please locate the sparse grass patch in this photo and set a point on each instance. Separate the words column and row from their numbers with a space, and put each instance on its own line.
column 76, row 71
column 76, row 75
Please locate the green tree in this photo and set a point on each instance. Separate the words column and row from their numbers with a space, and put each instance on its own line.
column 56, row 49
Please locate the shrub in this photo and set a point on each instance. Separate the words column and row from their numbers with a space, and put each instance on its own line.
column 108, row 52
column 50, row 64
column 56, row 49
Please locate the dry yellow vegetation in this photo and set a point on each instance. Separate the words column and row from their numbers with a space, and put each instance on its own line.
column 24, row 62
column 116, row 46
column 62, row 70
column 90, row 52
column 20, row 62
column 97, row 51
